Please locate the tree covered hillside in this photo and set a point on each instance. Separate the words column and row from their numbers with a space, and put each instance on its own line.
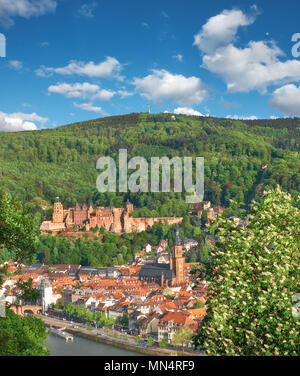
column 41, row 165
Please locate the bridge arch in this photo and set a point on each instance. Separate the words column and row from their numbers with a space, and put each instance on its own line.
column 23, row 310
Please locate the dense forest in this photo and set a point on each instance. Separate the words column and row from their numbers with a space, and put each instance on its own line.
column 38, row 166
column 112, row 249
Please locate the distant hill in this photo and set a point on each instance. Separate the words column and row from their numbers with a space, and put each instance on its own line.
column 60, row 162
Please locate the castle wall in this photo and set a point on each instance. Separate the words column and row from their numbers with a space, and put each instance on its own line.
column 112, row 219
column 50, row 226
column 143, row 224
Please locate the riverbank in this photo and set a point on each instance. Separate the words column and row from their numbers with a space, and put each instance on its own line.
column 98, row 336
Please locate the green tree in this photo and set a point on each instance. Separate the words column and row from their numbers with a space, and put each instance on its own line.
column 163, row 343
column 19, row 335
column 22, row 336
column 252, row 278
column 150, row 341
column 138, row 339
column 182, row 337
column 18, row 232
column 123, row 320
column 199, row 304
column 29, row 293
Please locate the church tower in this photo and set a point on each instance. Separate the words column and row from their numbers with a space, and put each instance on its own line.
column 177, row 260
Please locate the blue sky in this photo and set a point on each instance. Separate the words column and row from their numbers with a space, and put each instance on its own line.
column 73, row 60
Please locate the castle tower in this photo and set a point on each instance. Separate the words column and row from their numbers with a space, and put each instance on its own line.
column 58, row 213
column 129, row 207
column 116, row 225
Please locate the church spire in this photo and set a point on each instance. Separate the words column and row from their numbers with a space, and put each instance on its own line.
column 177, row 237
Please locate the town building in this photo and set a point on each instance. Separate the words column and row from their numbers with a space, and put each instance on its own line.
column 171, row 274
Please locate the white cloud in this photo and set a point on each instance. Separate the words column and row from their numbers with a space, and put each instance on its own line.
column 77, row 90
column 162, row 85
column 237, row 117
column 43, row 72
column 145, row 24
column 187, row 111
column 220, row 30
column 111, row 67
column 286, row 100
column 104, row 94
column 81, row 90
column 178, row 57
column 87, row 10
column 88, row 107
column 24, row 8
column 16, row 64
column 254, row 67
column 124, row 93
column 19, row 121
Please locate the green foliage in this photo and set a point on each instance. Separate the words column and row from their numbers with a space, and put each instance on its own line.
column 41, row 165
column 163, row 343
column 29, row 293
column 22, row 336
column 79, row 312
column 102, row 320
column 252, row 278
column 18, row 231
column 138, row 339
column 62, row 250
column 123, row 320
column 198, row 304
column 182, row 337
column 150, row 341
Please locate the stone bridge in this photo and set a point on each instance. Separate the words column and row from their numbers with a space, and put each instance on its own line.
column 24, row 310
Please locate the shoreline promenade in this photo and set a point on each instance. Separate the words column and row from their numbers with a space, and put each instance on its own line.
column 98, row 335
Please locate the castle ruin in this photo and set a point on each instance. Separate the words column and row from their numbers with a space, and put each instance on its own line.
column 117, row 220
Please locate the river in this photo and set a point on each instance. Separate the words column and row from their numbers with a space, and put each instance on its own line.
column 81, row 346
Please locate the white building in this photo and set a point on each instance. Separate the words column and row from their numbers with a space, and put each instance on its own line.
column 46, row 297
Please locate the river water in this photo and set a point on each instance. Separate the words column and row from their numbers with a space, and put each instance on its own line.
column 81, row 346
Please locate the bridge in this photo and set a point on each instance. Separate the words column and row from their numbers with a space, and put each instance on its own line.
column 24, row 310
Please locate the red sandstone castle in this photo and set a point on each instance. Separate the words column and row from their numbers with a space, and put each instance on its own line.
column 112, row 219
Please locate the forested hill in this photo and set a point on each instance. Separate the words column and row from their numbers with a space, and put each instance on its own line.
column 60, row 162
